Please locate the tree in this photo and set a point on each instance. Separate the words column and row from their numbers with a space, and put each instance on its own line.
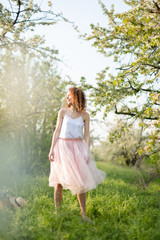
column 30, row 88
column 122, row 146
column 19, row 17
column 132, row 38
column 31, row 93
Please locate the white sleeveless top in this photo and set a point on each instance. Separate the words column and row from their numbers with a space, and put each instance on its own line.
column 71, row 127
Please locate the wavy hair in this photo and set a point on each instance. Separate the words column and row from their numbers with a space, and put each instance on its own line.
column 78, row 99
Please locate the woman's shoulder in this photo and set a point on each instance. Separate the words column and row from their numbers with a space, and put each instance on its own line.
column 62, row 111
column 85, row 115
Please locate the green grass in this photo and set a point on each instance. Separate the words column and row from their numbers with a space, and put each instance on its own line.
column 120, row 209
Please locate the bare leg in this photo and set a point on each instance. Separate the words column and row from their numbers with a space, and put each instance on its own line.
column 82, row 202
column 58, row 196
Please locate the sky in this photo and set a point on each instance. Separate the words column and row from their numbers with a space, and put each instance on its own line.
column 79, row 57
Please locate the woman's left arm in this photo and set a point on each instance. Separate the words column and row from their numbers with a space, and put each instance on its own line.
column 87, row 128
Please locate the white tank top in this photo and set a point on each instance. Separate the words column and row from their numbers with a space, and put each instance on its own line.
column 71, row 128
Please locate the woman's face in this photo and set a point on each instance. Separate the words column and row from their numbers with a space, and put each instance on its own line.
column 69, row 101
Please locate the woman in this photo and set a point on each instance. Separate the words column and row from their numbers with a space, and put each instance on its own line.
column 72, row 166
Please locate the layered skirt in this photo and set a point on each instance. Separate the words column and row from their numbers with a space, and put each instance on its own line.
column 74, row 167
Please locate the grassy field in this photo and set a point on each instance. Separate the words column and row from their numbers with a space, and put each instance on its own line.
column 120, row 209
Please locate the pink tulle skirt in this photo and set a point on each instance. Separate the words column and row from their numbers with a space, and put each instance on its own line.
column 74, row 167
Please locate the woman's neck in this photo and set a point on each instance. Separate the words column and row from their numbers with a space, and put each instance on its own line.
column 73, row 109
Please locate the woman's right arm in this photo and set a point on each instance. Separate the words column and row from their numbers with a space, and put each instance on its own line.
column 56, row 133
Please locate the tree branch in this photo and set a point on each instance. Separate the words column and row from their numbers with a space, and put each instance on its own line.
column 134, row 114
column 19, row 7
column 149, row 90
column 14, row 22
column 156, row 4
column 10, row 4
column 151, row 65
column 156, row 10
column 143, row 89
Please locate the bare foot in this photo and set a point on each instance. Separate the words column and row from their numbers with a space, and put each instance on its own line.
column 85, row 218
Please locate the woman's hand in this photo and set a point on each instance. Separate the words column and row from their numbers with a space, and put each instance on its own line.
column 88, row 156
column 88, row 159
column 51, row 156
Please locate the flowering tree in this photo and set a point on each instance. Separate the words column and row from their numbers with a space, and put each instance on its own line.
column 18, row 20
column 30, row 86
column 132, row 38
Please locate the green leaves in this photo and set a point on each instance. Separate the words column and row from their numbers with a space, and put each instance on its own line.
column 19, row 17
column 31, row 95
column 133, row 39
